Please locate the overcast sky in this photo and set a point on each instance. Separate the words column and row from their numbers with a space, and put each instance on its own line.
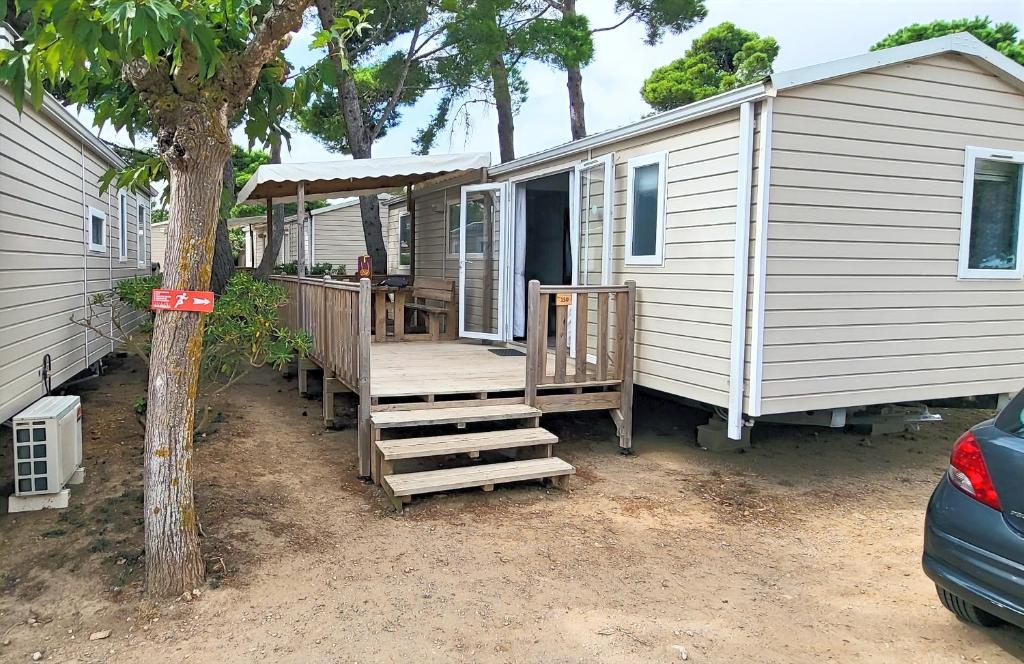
column 808, row 32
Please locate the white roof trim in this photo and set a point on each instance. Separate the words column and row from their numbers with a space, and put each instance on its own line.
column 385, row 199
column 961, row 42
column 697, row 109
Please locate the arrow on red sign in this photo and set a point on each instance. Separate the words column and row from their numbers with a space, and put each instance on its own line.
column 169, row 299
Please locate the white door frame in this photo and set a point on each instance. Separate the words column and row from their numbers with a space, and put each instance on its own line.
column 575, row 222
column 504, row 279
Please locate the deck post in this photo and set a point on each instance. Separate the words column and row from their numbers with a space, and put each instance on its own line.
column 300, row 263
column 627, row 351
column 364, row 377
column 533, row 344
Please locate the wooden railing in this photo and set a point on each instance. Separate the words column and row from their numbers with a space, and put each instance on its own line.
column 604, row 327
column 336, row 314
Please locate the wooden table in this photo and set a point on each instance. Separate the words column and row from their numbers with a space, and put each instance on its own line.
column 380, row 308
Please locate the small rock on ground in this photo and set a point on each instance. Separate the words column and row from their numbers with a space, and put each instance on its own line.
column 681, row 651
column 96, row 636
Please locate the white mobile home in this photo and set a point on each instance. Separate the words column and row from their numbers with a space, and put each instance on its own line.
column 836, row 236
column 61, row 242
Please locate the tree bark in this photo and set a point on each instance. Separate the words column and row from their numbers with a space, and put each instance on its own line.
column 223, row 259
column 195, row 152
column 577, row 119
column 503, row 101
column 574, row 82
column 360, row 141
column 275, row 234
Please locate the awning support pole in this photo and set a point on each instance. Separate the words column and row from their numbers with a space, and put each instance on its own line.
column 300, row 213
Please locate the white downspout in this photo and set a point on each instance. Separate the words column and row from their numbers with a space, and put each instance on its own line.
column 764, row 182
column 741, row 269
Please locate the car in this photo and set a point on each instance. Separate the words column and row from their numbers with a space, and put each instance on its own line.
column 974, row 526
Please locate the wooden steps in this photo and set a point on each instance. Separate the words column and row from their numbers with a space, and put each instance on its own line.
column 486, row 476
column 460, row 416
column 463, row 443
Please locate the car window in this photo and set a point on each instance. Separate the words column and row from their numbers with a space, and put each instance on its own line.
column 1011, row 418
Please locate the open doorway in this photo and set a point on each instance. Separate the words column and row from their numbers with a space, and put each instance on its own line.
column 543, row 239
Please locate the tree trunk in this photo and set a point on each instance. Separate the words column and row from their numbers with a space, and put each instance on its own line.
column 195, row 153
column 577, row 119
column 360, row 142
column 503, row 101
column 574, row 82
column 223, row 258
column 275, row 234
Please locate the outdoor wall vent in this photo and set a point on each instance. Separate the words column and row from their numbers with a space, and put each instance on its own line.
column 47, row 453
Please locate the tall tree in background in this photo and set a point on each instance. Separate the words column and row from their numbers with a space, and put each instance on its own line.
column 365, row 89
column 489, row 41
column 1000, row 36
column 723, row 58
column 182, row 72
column 657, row 17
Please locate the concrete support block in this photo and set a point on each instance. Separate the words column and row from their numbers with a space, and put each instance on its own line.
column 77, row 477
column 714, row 436
column 46, row 501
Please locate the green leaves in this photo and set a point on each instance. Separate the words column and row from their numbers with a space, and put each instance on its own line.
column 1000, row 36
column 722, row 58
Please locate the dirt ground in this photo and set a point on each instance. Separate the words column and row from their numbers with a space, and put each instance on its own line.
column 805, row 549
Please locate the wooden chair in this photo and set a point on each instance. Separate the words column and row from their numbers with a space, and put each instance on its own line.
column 436, row 299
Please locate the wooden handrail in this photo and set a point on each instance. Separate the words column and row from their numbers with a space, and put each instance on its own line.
column 605, row 330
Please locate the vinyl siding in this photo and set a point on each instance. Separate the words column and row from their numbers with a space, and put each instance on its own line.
column 863, row 304
column 339, row 236
column 48, row 178
column 158, row 243
column 391, row 236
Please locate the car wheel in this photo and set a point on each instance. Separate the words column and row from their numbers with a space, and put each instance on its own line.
column 966, row 611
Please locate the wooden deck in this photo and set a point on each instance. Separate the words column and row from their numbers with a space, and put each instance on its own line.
column 444, row 368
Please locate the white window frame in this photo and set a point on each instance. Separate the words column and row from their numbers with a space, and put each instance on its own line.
column 122, row 227
column 140, row 247
column 658, row 258
column 91, row 212
column 971, row 155
column 404, row 216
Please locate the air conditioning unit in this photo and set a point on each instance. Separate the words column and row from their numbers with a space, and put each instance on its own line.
column 47, row 453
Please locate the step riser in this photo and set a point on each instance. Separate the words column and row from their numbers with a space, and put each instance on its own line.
column 419, row 448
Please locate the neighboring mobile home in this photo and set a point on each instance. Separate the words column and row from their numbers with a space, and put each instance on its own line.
column 61, row 243
column 334, row 235
column 837, row 236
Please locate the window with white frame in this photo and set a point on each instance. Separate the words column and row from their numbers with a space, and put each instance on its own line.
column 96, row 228
column 991, row 243
column 474, row 228
column 645, row 209
column 404, row 248
column 122, row 226
column 141, row 235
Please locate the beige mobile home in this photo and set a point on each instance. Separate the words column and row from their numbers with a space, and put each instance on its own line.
column 61, row 242
column 837, row 236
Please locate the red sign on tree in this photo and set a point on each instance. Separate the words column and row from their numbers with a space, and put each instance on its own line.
column 168, row 299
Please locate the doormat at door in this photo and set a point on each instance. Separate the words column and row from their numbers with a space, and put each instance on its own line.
column 507, row 352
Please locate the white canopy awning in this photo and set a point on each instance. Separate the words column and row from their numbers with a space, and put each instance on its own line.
column 331, row 179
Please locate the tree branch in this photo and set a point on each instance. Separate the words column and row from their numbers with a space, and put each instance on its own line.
column 399, row 88
column 617, row 25
column 283, row 18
